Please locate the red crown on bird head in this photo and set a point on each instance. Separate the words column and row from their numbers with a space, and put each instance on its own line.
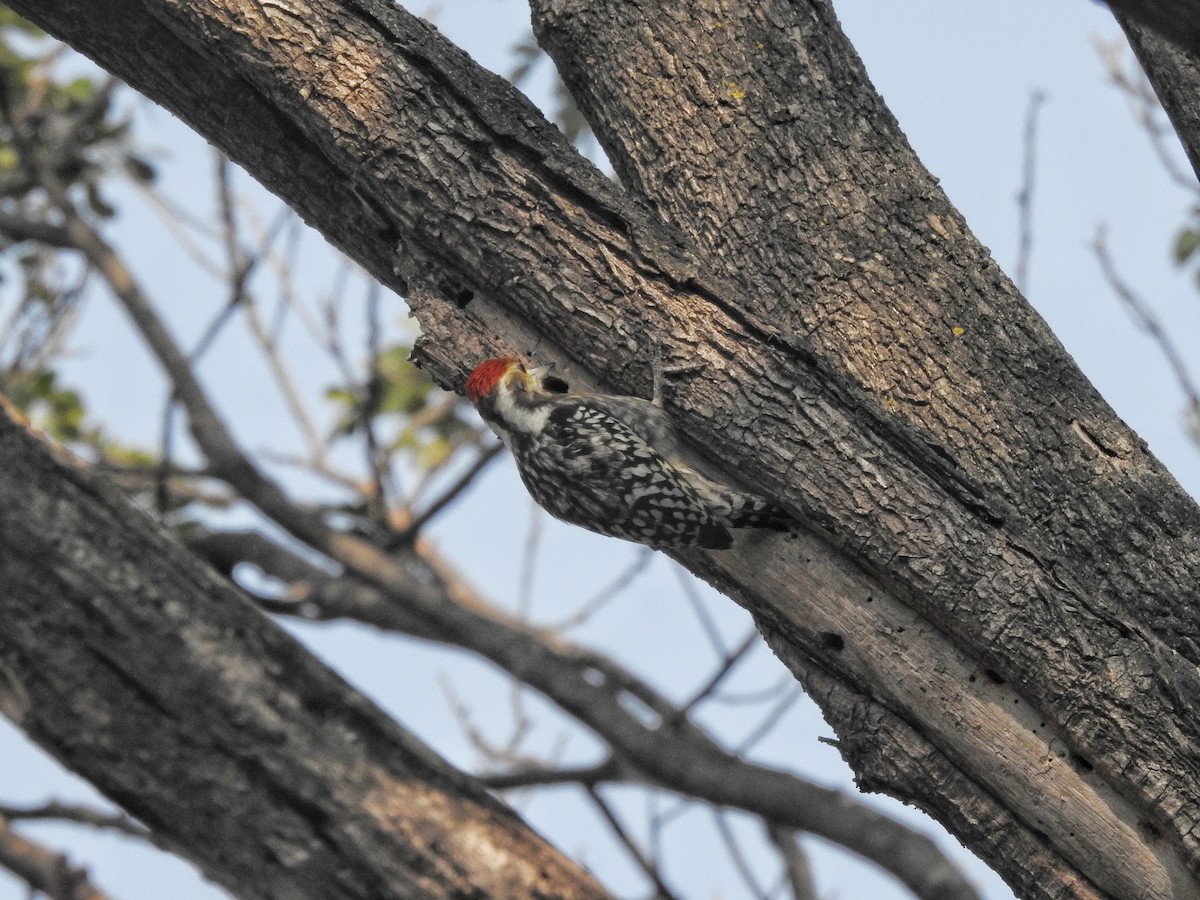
column 487, row 376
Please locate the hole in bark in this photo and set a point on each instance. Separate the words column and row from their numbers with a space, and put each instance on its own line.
column 458, row 294
column 993, row 677
column 832, row 641
column 1081, row 764
column 555, row 385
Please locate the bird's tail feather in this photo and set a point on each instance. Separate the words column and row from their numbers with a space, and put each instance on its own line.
column 752, row 511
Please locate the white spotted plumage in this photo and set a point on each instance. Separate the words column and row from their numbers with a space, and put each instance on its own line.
column 610, row 464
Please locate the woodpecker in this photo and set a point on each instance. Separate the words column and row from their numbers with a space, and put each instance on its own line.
column 610, row 464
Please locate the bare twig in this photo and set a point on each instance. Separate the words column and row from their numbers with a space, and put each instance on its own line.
column 545, row 776
column 533, row 541
column 182, row 223
column 744, row 698
column 398, row 539
column 239, row 266
column 1144, row 105
column 462, row 714
column 1025, row 194
column 770, row 720
column 46, row 872
column 687, row 584
column 606, row 594
column 383, row 491
column 645, row 863
column 238, row 263
column 721, row 818
column 1145, row 319
column 732, row 659
column 797, row 872
column 78, row 814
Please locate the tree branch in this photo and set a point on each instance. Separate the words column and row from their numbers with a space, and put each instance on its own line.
column 45, row 871
column 975, row 513
column 82, row 815
column 665, row 747
column 254, row 761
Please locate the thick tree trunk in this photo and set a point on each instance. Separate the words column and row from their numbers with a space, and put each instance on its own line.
column 145, row 672
column 1061, row 558
column 993, row 594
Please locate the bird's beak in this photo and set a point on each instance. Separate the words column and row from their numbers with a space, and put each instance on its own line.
column 541, row 372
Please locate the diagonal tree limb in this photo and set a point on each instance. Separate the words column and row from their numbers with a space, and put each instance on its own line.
column 442, row 607
column 1175, row 73
column 1171, row 21
column 47, row 873
column 146, row 673
column 969, row 498
column 661, row 746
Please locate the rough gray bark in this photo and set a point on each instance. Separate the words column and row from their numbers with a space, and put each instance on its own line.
column 1177, row 21
column 993, row 596
column 790, row 174
column 145, row 672
column 1175, row 74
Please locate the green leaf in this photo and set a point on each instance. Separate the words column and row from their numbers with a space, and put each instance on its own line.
column 1186, row 244
column 79, row 90
column 434, row 453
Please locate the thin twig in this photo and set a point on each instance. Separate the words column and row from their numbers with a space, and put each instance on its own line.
column 797, row 871
column 78, row 814
column 720, row 816
column 732, row 659
column 547, row 776
column 645, row 863
column 383, row 491
column 48, row 873
column 746, row 698
column 240, row 265
column 409, row 533
column 1025, row 194
column 769, row 722
column 181, row 222
column 642, row 559
column 533, row 541
column 1145, row 319
column 687, row 584
column 1143, row 102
